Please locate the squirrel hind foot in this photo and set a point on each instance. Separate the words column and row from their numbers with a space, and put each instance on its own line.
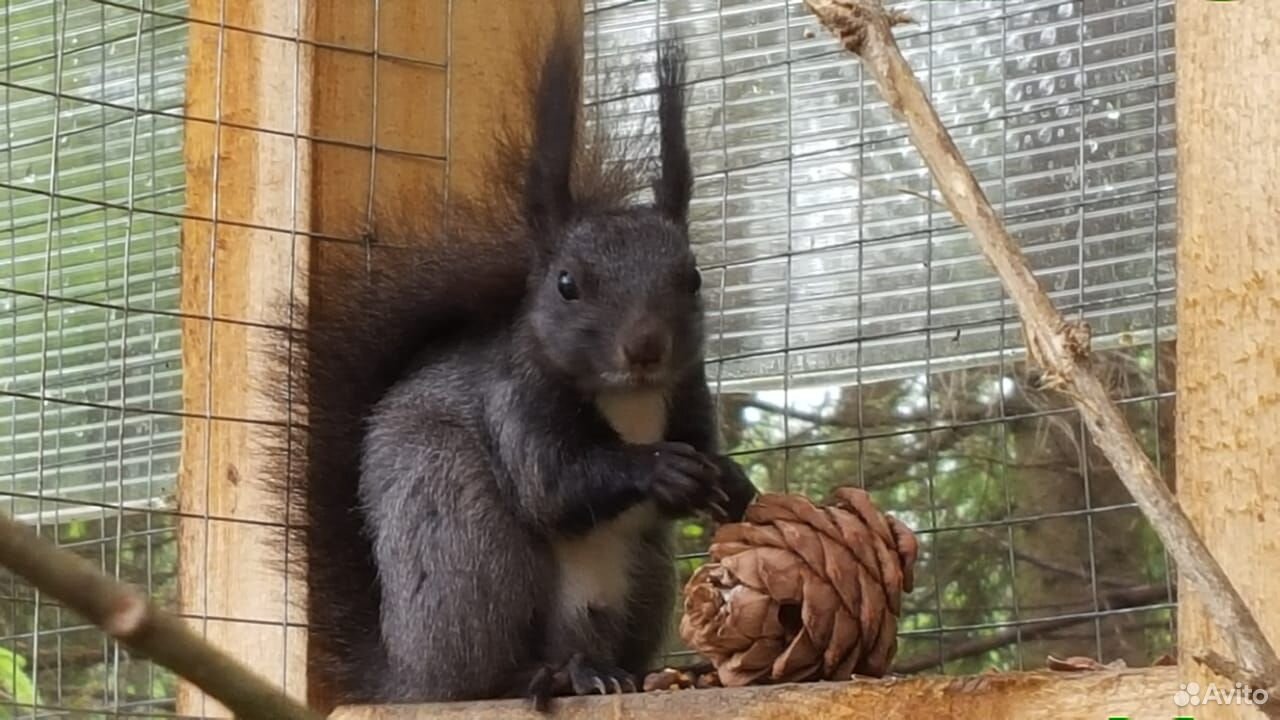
column 577, row 676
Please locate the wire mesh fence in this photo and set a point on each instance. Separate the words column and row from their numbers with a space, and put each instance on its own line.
column 856, row 336
column 89, row 269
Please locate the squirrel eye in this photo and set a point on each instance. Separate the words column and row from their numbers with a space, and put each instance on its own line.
column 567, row 287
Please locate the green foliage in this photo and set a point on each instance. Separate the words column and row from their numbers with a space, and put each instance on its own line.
column 15, row 685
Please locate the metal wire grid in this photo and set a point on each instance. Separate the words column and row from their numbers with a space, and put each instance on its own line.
column 85, row 286
column 116, row 480
column 859, row 338
column 62, row 125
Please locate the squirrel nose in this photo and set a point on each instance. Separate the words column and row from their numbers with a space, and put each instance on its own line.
column 645, row 349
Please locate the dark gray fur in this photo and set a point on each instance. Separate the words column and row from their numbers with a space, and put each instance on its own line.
column 455, row 442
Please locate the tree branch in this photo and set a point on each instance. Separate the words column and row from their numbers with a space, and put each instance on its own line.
column 1058, row 346
column 128, row 616
column 1119, row 599
column 1044, row 564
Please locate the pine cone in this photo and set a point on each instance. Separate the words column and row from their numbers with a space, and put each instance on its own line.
column 799, row 592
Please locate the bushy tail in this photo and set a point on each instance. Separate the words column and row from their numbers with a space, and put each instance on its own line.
column 370, row 316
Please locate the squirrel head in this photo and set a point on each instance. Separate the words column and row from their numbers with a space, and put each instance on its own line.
column 616, row 304
column 613, row 300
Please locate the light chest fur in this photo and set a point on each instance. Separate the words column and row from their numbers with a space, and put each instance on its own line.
column 595, row 569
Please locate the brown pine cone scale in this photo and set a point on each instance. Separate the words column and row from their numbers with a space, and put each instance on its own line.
column 798, row 591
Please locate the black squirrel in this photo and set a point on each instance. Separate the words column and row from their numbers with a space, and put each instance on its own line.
column 502, row 422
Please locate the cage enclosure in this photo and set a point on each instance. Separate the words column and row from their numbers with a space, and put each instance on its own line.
column 172, row 167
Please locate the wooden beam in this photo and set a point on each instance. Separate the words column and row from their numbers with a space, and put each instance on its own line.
column 1098, row 695
column 247, row 95
column 491, row 41
column 1228, row 86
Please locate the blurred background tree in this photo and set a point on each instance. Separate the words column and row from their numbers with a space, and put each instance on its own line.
column 1031, row 545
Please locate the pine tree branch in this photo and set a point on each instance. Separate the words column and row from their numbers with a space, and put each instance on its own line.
column 1119, row 599
column 128, row 616
column 1058, row 346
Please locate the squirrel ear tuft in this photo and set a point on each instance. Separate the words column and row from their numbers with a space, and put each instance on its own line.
column 674, row 187
column 548, row 197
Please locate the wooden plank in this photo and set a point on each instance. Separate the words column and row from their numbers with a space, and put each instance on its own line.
column 1146, row 693
column 239, row 174
column 491, row 44
column 428, row 114
column 1228, row 86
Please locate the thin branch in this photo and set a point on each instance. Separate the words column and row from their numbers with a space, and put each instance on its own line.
column 1120, row 599
column 812, row 418
column 128, row 616
column 1045, row 564
column 922, row 196
column 1058, row 346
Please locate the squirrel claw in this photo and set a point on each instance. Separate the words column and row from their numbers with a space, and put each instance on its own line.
column 578, row 676
column 541, row 688
column 586, row 677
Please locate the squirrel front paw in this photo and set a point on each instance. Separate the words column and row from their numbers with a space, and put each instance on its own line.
column 683, row 481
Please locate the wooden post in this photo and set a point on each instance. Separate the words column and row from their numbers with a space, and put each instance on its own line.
column 248, row 95
column 1228, row 89
column 421, row 80
column 487, row 66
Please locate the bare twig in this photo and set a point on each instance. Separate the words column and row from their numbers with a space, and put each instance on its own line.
column 128, row 616
column 1058, row 346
